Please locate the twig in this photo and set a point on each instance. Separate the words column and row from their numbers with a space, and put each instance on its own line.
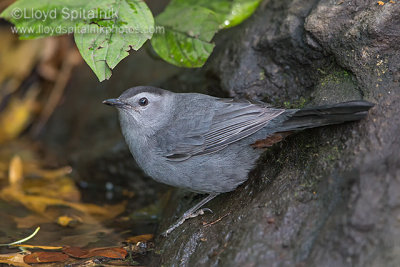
column 214, row 222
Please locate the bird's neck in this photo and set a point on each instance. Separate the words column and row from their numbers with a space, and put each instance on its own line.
column 138, row 143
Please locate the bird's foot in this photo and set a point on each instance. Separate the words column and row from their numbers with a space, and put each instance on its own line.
column 185, row 217
column 191, row 213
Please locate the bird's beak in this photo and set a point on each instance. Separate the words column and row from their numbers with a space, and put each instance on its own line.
column 115, row 102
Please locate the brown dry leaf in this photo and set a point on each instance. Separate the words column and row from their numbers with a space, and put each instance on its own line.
column 14, row 259
column 113, row 253
column 76, row 252
column 45, row 256
column 15, row 174
column 139, row 238
column 17, row 115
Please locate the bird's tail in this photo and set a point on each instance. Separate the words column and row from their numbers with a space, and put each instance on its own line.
column 325, row 115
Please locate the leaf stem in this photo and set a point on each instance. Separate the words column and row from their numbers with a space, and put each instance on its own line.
column 22, row 240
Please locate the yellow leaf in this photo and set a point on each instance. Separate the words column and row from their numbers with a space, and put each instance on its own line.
column 39, row 247
column 14, row 259
column 64, row 220
column 60, row 188
column 17, row 115
column 15, row 174
column 51, row 174
column 68, row 221
column 40, row 203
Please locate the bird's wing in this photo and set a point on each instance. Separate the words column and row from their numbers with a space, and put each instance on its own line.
column 213, row 128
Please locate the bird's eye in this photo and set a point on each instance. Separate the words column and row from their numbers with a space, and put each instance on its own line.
column 143, row 101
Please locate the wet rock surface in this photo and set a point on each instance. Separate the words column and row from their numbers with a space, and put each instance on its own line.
column 322, row 197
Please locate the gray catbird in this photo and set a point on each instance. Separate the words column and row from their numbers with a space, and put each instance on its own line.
column 207, row 144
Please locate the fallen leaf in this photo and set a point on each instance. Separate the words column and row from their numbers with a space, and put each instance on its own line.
column 39, row 247
column 15, row 174
column 45, row 256
column 68, row 221
column 113, row 253
column 139, row 238
column 61, row 188
column 36, row 170
column 40, row 203
column 76, row 252
column 14, row 259
column 49, row 194
column 17, row 115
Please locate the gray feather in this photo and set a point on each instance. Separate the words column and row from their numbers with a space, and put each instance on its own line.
column 217, row 124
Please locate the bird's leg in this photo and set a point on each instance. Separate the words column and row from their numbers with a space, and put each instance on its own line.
column 191, row 213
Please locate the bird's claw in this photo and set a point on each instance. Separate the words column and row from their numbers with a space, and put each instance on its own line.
column 191, row 213
column 184, row 218
column 199, row 212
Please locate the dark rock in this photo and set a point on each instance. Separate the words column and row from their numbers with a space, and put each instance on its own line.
column 323, row 197
column 332, row 193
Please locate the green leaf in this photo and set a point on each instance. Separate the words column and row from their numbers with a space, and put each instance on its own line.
column 35, row 19
column 179, row 49
column 104, row 50
column 241, row 10
column 190, row 25
column 104, row 30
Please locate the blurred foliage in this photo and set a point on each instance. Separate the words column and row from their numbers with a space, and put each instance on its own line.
column 34, row 189
column 105, row 30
